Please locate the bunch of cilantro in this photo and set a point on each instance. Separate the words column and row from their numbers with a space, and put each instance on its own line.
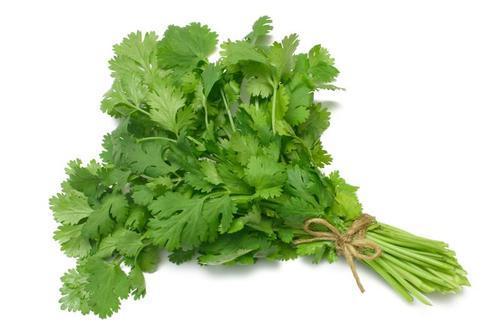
column 218, row 162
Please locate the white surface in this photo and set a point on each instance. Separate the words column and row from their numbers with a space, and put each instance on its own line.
column 417, row 129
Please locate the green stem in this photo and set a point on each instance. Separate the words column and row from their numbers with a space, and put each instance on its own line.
column 407, row 285
column 409, row 255
column 407, row 242
column 156, row 138
column 206, row 111
column 401, row 233
column 273, row 110
column 136, row 108
column 242, row 198
column 228, row 110
column 389, row 279
column 197, row 142
column 417, row 271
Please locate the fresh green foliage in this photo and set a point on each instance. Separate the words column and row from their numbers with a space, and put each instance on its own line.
column 219, row 162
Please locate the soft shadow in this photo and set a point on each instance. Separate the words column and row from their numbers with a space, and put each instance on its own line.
column 439, row 299
column 366, row 275
column 332, row 106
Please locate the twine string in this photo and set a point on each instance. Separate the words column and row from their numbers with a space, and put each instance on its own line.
column 350, row 244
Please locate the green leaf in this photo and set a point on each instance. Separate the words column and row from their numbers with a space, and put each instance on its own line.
column 235, row 52
column 187, row 222
column 83, row 179
column 111, row 176
column 347, row 205
column 259, row 86
column 180, row 256
column 183, row 155
column 142, row 195
column 266, row 176
column 137, row 218
column 346, row 202
column 317, row 122
column 185, row 46
column 70, row 207
column 321, row 68
column 236, row 225
column 125, row 97
column 107, row 284
column 209, row 170
column 160, row 184
column 209, row 77
column 244, row 147
column 148, row 259
column 135, row 56
column 281, row 55
column 74, row 294
column 219, row 212
column 137, row 283
column 232, row 175
column 320, row 156
column 282, row 102
column 318, row 250
column 299, row 184
column 102, row 220
column 72, row 240
column 178, row 221
column 165, row 103
column 298, row 108
column 228, row 248
column 141, row 158
column 282, row 252
column 127, row 243
column 224, row 257
column 261, row 122
column 285, row 234
column 260, row 31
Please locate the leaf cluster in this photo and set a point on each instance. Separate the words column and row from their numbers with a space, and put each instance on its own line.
column 214, row 161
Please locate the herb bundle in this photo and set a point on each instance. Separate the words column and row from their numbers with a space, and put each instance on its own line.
column 221, row 162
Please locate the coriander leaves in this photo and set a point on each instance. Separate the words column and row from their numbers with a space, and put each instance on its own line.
column 218, row 162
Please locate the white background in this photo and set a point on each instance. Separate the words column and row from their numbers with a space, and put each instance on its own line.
column 417, row 128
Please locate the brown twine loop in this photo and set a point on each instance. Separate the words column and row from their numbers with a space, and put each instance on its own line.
column 350, row 244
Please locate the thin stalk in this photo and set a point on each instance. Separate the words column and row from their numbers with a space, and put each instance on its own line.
column 273, row 109
column 242, row 198
column 403, row 233
column 409, row 254
column 226, row 131
column 206, row 111
column 408, row 242
column 415, row 292
column 411, row 238
column 417, row 271
column 453, row 279
column 136, row 108
column 197, row 142
column 228, row 110
column 410, row 277
column 156, row 138
column 389, row 279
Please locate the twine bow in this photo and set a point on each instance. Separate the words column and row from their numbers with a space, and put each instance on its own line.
column 350, row 244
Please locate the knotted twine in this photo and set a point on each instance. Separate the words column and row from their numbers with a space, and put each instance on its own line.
column 350, row 244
